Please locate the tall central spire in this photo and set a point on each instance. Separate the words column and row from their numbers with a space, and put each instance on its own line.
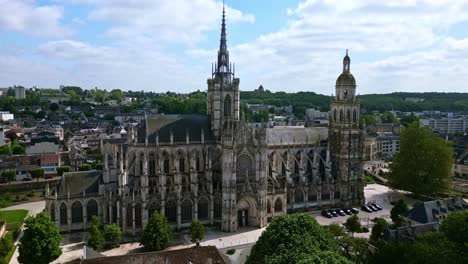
column 222, row 67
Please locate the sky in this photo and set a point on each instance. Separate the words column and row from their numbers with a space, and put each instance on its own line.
column 284, row 45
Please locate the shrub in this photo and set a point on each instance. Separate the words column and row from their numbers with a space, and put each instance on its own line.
column 364, row 230
column 231, row 251
column 30, row 194
column 112, row 235
column 157, row 234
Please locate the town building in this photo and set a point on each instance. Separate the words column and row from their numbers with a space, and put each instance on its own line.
column 371, row 148
column 385, row 128
column 20, row 92
column 434, row 211
column 216, row 167
column 6, row 116
column 388, row 144
column 446, row 126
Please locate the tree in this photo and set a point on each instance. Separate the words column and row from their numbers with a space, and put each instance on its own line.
column 40, row 242
column 84, row 167
column 95, row 240
column 63, row 169
column 157, row 234
column 353, row 224
column 408, row 120
column 369, row 119
column 6, row 244
column 37, row 173
column 112, row 235
column 5, row 150
column 424, row 164
column 398, row 209
column 388, row 118
column 53, row 107
column 290, row 239
column 455, row 228
column 336, row 230
column 377, row 230
column 18, row 149
column 9, row 175
column 355, row 249
column 197, row 231
column 116, row 94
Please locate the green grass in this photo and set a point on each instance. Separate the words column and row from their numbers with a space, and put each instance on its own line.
column 10, row 254
column 13, row 218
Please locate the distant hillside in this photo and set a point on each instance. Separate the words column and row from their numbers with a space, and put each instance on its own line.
column 456, row 102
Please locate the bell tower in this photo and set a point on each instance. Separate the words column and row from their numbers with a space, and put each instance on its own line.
column 223, row 88
column 346, row 139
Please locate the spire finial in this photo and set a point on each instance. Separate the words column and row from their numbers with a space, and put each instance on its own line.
column 346, row 52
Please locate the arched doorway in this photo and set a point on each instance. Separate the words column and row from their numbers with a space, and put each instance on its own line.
column 246, row 211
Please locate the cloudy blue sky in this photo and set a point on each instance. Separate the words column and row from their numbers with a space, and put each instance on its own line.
column 286, row 45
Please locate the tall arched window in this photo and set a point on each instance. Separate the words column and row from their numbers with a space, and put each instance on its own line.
column 284, row 163
column 171, row 211
column 91, row 209
column 138, row 215
column 227, row 106
column 299, row 196
column 348, row 116
column 63, row 214
column 181, row 164
column 52, row 213
column 268, row 207
column 166, row 164
column 341, row 115
column 334, row 115
column 129, row 215
column 278, row 205
column 354, row 115
column 203, row 208
column 218, row 208
column 142, row 158
column 152, row 165
column 187, row 210
column 77, row 212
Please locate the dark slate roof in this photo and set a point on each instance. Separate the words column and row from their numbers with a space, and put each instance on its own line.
column 206, row 254
column 180, row 125
column 417, row 213
column 346, row 78
column 75, row 183
column 45, row 137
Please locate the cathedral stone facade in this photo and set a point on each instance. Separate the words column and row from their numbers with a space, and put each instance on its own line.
column 216, row 167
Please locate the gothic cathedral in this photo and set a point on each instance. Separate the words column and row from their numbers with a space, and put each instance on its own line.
column 218, row 168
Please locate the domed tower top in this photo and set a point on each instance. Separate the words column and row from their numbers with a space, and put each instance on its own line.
column 346, row 84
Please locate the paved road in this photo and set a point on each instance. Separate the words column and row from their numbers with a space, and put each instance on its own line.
column 33, row 208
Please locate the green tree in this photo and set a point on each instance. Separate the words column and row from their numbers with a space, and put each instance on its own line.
column 40, row 242
column 197, row 231
column 5, row 150
column 408, row 120
column 455, row 228
column 112, row 235
column 157, row 234
column 9, row 175
column 116, row 94
column 378, row 228
column 290, row 239
column 53, row 107
column 369, row 119
column 353, row 224
column 95, row 239
column 336, row 230
column 355, row 249
column 6, row 245
column 63, row 169
column 37, row 173
column 388, row 118
column 84, row 167
column 18, row 149
column 424, row 164
column 99, row 96
column 397, row 210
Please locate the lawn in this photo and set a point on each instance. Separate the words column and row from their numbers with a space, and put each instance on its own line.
column 13, row 218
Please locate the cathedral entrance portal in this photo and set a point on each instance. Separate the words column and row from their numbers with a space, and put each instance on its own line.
column 243, row 217
column 246, row 211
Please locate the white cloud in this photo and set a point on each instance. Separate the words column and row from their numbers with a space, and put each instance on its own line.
column 26, row 16
column 173, row 21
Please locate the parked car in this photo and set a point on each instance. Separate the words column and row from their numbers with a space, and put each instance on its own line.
column 3, row 181
column 333, row 213
column 377, row 206
column 347, row 211
column 373, row 208
column 48, row 177
column 26, row 179
column 365, row 208
column 340, row 212
column 326, row 214
column 354, row 210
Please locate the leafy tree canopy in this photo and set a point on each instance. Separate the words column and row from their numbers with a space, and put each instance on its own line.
column 197, row 231
column 40, row 242
column 157, row 234
column 424, row 164
column 95, row 239
column 112, row 235
column 290, row 239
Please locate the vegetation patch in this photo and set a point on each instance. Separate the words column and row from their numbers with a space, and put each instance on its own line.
column 13, row 218
column 231, row 251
